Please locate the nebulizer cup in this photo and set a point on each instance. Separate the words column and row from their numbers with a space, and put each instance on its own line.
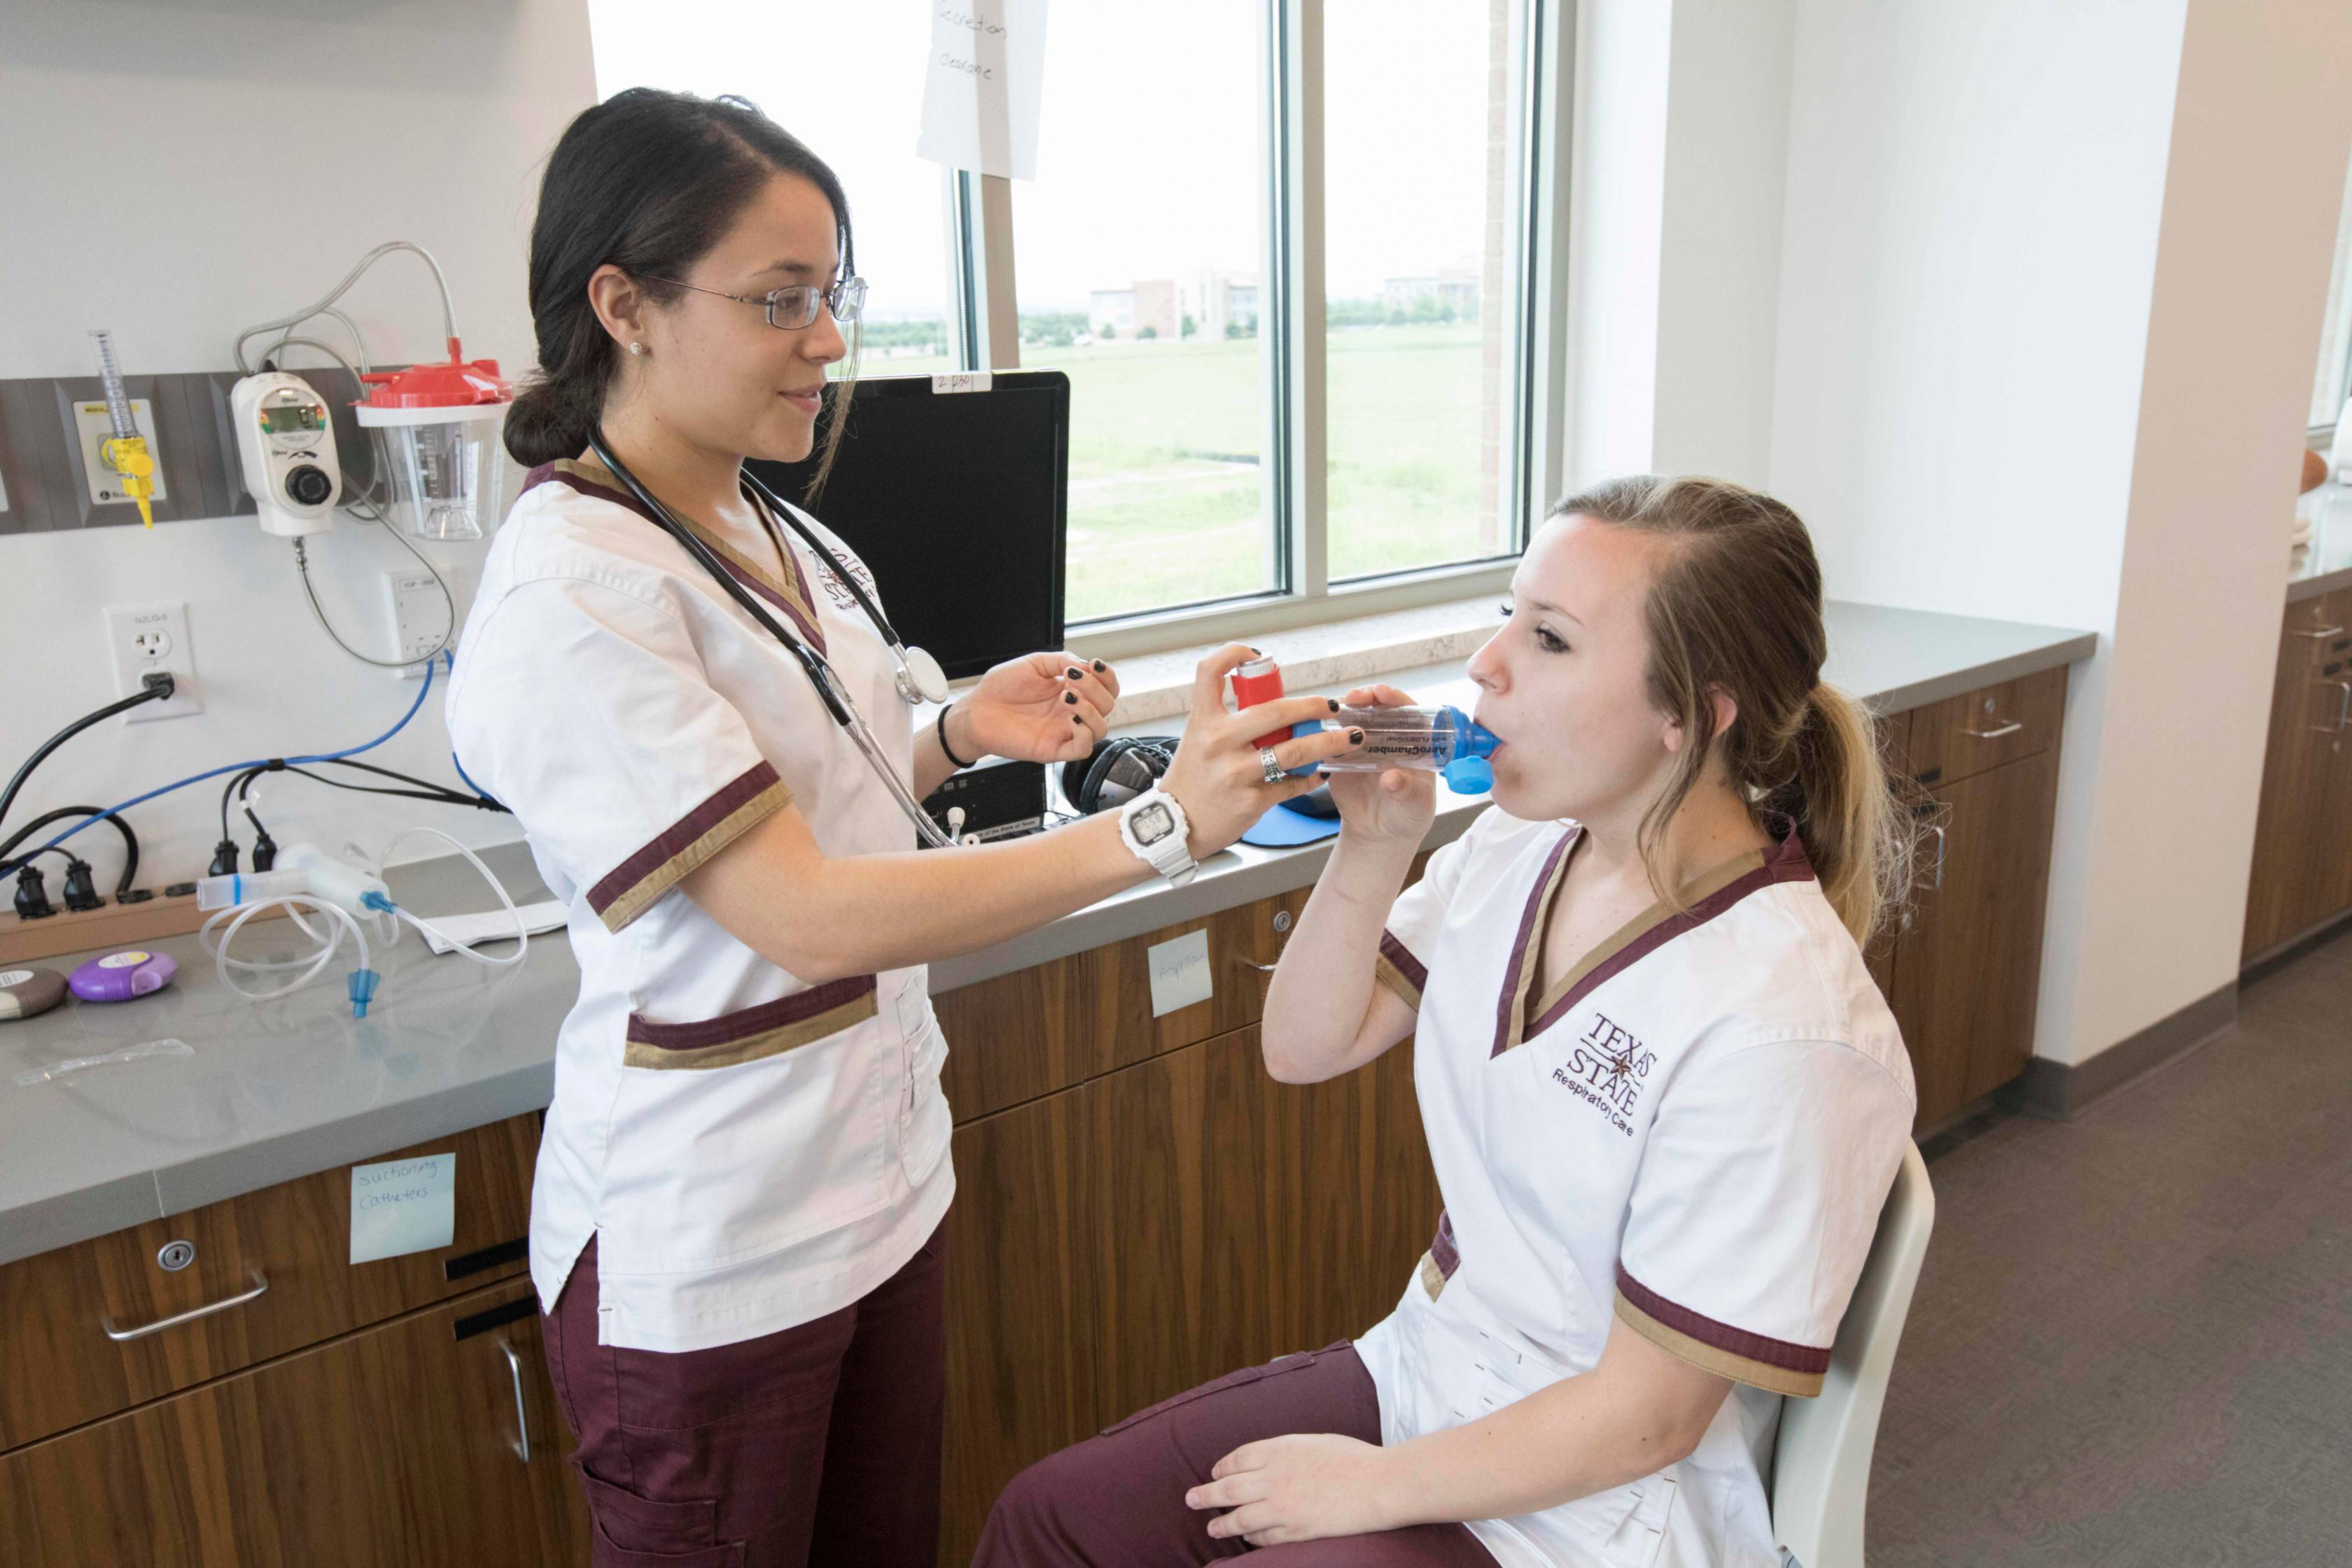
column 436, row 433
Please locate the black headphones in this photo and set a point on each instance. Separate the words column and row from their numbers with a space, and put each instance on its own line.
column 1115, row 771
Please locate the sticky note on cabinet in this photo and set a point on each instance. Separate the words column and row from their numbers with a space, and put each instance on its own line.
column 1180, row 973
column 404, row 1205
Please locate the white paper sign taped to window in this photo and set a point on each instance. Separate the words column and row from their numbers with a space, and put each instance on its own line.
column 981, row 86
column 1180, row 973
column 404, row 1205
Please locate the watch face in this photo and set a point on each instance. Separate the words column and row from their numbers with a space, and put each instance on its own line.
column 1152, row 823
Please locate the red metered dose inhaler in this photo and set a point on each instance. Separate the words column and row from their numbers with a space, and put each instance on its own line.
column 1260, row 680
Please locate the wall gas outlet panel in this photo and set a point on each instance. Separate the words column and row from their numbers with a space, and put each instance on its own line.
column 95, row 428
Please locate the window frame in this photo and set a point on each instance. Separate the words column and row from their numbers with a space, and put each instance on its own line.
column 984, row 331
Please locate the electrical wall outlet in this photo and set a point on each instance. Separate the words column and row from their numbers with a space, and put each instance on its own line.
column 419, row 617
column 144, row 639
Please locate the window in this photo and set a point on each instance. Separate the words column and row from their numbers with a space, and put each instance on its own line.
column 1286, row 251
column 1417, row 286
column 2333, row 384
column 1136, row 258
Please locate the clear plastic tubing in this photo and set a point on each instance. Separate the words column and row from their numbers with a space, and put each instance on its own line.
column 250, row 886
column 1430, row 739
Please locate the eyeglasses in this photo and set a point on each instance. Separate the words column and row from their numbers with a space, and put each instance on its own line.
column 796, row 307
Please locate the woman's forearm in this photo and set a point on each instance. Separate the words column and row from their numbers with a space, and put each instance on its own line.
column 825, row 918
column 1579, row 1437
column 1323, row 987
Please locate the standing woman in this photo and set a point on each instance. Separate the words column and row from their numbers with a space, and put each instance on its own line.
column 737, row 1221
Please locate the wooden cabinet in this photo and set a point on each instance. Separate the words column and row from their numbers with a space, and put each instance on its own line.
column 2301, row 872
column 1967, row 966
column 430, row 1440
column 1131, row 1237
column 61, row 1365
column 1960, row 962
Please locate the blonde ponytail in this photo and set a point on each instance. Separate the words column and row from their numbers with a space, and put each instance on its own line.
column 1854, row 834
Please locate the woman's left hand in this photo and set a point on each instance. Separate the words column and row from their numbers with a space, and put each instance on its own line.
column 1300, row 1488
column 1043, row 708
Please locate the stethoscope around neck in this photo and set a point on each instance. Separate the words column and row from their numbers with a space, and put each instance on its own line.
column 917, row 674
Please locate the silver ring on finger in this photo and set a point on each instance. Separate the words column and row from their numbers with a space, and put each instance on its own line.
column 1270, row 766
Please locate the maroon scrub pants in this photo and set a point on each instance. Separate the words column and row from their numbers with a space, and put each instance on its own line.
column 818, row 1445
column 1118, row 1500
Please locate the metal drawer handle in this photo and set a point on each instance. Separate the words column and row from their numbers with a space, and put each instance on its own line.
column 121, row 1336
column 1253, row 963
column 2012, row 728
column 1940, row 844
column 2322, row 632
column 2344, row 709
column 521, row 1445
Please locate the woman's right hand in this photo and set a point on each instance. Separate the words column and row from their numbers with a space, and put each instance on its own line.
column 1394, row 806
column 1215, row 775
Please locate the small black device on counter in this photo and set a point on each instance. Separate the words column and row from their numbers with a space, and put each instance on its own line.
column 1001, row 799
column 958, row 502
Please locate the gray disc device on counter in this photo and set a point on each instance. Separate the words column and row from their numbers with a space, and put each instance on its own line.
column 27, row 992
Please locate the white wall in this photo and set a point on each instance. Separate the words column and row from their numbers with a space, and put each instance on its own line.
column 136, row 197
column 2052, row 277
column 1719, row 256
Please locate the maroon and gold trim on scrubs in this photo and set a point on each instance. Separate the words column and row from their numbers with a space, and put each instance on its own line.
column 1399, row 971
column 1774, row 1366
column 788, row 593
column 629, row 888
column 1518, row 973
column 1709, row 895
column 748, row 1034
column 1443, row 1257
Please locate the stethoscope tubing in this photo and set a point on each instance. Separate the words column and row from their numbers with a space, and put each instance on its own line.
column 818, row 668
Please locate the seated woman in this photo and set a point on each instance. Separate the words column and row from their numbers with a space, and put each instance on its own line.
column 1664, row 1099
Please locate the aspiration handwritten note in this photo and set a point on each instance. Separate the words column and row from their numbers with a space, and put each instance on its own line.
column 404, row 1205
column 981, row 86
column 1180, row 973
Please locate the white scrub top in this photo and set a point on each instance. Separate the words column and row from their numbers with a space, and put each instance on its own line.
column 1693, row 1134
column 752, row 1152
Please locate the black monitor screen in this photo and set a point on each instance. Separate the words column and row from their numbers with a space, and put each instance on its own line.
column 958, row 502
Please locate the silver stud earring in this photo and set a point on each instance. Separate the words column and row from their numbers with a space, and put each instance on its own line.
column 636, row 349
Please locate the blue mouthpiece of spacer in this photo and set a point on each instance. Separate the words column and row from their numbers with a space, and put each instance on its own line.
column 363, row 984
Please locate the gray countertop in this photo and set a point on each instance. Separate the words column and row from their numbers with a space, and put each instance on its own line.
column 2325, row 564
column 280, row 1090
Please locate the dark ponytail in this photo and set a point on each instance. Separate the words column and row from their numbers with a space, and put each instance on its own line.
column 647, row 181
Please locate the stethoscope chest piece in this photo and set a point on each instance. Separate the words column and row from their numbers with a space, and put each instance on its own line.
column 920, row 678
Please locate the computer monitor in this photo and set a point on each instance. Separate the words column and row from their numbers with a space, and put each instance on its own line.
column 959, row 503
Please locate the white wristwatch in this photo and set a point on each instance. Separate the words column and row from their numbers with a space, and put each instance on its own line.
column 1152, row 825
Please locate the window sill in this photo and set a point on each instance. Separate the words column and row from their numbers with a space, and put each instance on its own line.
column 1160, row 685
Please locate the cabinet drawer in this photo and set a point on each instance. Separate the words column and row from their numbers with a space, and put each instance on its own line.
column 1036, row 1030
column 274, row 1264
column 430, row 1440
column 2318, row 632
column 1963, row 736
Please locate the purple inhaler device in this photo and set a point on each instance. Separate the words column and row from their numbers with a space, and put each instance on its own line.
column 119, row 976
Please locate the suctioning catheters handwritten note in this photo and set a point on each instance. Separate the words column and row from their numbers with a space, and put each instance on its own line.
column 981, row 86
column 404, row 1205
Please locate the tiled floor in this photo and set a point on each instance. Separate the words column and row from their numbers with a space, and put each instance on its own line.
column 2132, row 1342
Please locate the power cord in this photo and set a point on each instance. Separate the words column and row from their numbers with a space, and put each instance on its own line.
column 155, row 687
column 423, row 691
column 124, row 893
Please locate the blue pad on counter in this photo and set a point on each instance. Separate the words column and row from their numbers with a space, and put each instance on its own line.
column 1293, row 821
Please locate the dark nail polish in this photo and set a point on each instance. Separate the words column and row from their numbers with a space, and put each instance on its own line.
column 1100, row 666
column 1070, row 696
column 1075, row 720
column 1335, row 705
column 1355, row 737
column 1075, row 672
